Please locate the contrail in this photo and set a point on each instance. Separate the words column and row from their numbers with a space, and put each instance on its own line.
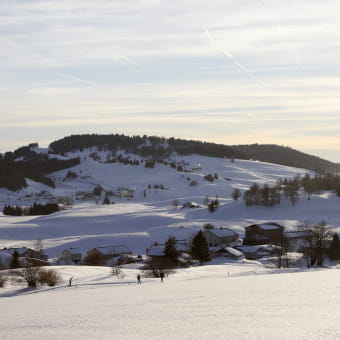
column 226, row 53
column 284, row 37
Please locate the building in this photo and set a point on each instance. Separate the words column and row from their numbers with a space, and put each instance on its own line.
column 256, row 252
column 157, row 250
column 229, row 252
column 298, row 240
column 31, row 255
column 218, row 237
column 263, row 233
column 71, row 256
column 109, row 252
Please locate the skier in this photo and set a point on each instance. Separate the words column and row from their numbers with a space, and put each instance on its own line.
column 138, row 280
column 70, row 281
column 161, row 275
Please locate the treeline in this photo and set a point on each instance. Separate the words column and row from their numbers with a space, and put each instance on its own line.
column 143, row 145
column 318, row 183
column 269, row 196
column 159, row 147
column 13, row 173
column 289, row 189
column 25, row 152
column 35, row 209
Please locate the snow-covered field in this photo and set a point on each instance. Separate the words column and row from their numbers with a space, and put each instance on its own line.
column 222, row 300
column 196, row 303
column 149, row 215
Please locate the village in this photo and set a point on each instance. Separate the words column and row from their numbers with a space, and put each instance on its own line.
column 268, row 242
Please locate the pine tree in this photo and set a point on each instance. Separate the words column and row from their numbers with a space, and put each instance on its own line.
column 170, row 250
column 200, row 248
column 106, row 200
column 15, row 260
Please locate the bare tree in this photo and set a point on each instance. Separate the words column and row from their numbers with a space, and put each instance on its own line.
column 38, row 245
column 280, row 252
column 236, row 194
column 317, row 242
column 30, row 274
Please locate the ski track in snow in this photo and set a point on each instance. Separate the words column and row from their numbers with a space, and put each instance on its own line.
column 199, row 302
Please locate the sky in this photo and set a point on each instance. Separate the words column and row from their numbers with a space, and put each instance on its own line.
column 223, row 71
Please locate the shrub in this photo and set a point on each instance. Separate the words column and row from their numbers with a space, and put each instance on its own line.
column 97, row 191
column 30, row 275
column 209, row 178
column 49, row 277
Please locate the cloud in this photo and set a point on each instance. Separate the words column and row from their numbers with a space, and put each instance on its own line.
column 226, row 53
column 146, row 65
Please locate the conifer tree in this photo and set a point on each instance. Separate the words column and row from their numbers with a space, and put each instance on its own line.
column 200, row 248
column 15, row 260
column 170, row 250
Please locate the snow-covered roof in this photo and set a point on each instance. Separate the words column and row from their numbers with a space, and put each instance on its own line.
column 234, row 251
column 180, row 246
column 298, row 234
column 222, row 232
column 266, row 226
column 156, row 251
column 230, row 250
column 269, row 226
column 256, row 248
column 11, row 251
column 110, row 250
column 5, row 258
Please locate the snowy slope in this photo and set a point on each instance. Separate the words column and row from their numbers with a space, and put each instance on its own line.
column 149, row 215
column 196, row 303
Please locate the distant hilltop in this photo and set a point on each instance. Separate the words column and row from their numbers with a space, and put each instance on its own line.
column 162, row 147
column 36, row 163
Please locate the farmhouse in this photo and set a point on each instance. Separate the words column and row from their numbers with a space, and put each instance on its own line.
column 257, row 251
column 109, row 252
column 217, row 237
column 229, row 252
column 157, row 250
column 70, row 256
column 263, row 233
column 297, row 240
column 29, row 254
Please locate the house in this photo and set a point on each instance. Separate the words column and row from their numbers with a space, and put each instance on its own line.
column 263, row 233
column 256, row 252
column 70, row 256
column 157, row 250
column 31, row 255
column 229, row 252
column 298, row 240
column 109, row 252
column 217, row 237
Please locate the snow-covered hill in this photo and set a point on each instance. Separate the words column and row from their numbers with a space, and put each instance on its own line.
column 143, row 211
